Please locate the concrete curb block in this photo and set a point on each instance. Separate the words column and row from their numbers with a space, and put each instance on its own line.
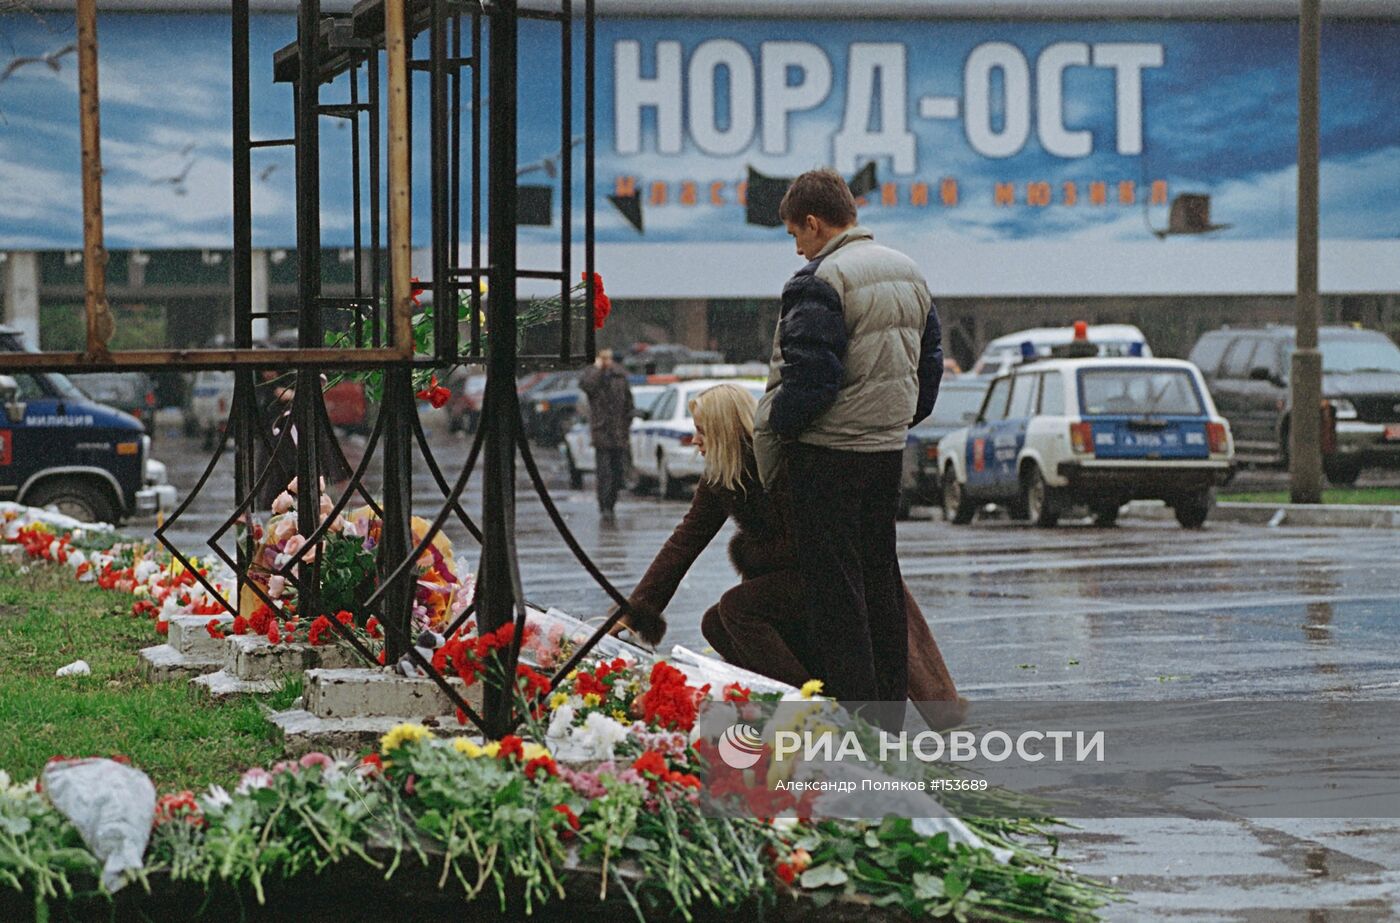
column 1336, row 516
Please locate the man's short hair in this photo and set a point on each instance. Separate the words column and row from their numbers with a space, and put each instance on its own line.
column 604, row 353
column 821, row 193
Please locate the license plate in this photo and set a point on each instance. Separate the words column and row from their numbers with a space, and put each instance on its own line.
column 1392, row 432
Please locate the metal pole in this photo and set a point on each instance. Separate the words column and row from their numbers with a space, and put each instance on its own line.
column 444, row 313
column 305, row 419
column 244, row 410
column 566, row 180
column 590, row 40
column 100, row 323
column 398, row 379
column 1305, row 436
column 502, row 414
column 400, row 223
column 242, row 184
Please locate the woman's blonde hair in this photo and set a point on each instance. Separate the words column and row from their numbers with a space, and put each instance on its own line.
column 725, row 412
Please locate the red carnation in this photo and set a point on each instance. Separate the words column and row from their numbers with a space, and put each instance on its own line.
column 215, row 630
column 543, row 764
column 316, row 633
column 602, row 304
column 570, row 818
column 511, row 746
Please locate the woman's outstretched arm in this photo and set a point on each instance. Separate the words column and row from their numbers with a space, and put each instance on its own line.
column 702, row 522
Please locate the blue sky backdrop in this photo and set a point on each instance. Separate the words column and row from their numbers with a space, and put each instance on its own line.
column 1218, row 117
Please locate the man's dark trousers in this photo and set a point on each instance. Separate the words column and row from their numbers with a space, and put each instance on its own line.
column 611, row 471
column 844, row 506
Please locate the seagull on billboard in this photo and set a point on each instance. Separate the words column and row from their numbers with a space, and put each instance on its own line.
column 177, row 181
column 550, row 164
column 51, row 58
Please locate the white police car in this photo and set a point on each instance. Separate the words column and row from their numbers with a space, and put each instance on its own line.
column 1041, row 342
column 663, row 444
column 1094, row 433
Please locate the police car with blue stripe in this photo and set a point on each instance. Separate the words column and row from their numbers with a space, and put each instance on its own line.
column 1062, row 434
column 663, row 442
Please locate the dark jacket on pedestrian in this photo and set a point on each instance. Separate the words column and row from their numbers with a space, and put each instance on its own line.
column 857, row 355
column 609, row 406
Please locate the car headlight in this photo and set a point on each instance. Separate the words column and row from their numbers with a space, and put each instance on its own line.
column 155, row 474
column 1343, row 409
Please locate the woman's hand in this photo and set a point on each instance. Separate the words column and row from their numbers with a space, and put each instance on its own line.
column 619, row 626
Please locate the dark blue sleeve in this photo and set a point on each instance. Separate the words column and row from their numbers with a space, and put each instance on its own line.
column 930, row 365
column 812, row 338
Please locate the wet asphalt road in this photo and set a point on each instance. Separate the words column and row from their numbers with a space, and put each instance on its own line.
column 1143, row 611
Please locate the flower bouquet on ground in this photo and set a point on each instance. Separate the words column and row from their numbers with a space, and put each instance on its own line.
column 348, row 565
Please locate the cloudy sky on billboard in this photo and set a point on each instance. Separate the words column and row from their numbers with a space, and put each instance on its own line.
column 979, row 131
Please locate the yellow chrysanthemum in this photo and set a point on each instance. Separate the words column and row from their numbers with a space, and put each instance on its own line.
column 573, row 675
column 467, row 747
column 592, row 700
column 491, row 749
column 533, row 751
column 619, row 715
column 403, row 734
column 558, row 700
column 812, row 687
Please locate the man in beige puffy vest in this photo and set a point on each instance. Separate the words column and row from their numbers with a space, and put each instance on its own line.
column 857, row 358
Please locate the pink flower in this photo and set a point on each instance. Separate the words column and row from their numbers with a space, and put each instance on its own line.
column 254, row 778
column 326, row 505
column 292, row 485
column 276, row 585
column 315, row 758
column 283, row 502
column 284, row 528
column 294, row 544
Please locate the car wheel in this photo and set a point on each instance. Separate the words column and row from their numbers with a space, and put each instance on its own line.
column 1341, row 473
column 82, row 499
column 575, row 475
column 667, row 486
column 1106, row 516
column 1191, row 512
column 1038, row 499
column 957, row 508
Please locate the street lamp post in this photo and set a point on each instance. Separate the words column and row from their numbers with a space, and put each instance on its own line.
column 1305, row 429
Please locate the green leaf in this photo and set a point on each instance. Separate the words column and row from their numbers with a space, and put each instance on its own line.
column 872, row 839
column 928, row 887
column 821, row 876
column 17, row 826
column 954, row 885
column 639, row 843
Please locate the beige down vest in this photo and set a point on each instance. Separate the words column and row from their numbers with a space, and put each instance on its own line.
column 885, row 302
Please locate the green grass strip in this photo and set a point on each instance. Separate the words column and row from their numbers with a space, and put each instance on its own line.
column 47, row 620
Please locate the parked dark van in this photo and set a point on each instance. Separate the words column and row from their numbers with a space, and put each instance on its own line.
column 1247, row 370
column 60, row 448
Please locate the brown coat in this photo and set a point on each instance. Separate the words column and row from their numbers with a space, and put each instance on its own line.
column 769, row 594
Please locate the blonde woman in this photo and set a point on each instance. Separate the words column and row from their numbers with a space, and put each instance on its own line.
column 756, row 624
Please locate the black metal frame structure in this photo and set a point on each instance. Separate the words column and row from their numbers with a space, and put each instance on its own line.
column 354, row 44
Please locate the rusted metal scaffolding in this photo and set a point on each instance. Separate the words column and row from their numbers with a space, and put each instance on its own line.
column 374, row 45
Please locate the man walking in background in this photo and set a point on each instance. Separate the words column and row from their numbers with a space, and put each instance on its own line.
column 610, row 422
column 857, row 359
